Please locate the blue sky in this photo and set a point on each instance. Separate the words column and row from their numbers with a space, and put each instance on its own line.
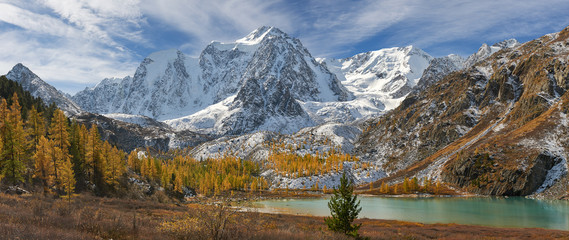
column 76, row 43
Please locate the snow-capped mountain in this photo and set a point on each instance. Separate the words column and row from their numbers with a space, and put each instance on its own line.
column 269, row 81
column 101, row 98
column 38, row 88
column 379, row 80
column 438, row 68
column 251, row 84
column 485, row 51
column 390, row 72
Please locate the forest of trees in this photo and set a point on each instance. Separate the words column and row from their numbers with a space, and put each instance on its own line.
column 43, row 149
column 53, row 152
column 61, row 156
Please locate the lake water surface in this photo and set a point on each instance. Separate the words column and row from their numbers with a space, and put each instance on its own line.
column 497, row 212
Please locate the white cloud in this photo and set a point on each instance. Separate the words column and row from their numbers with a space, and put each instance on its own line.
column 82, row 64
column 437, row 22
column 34, row 22
column 70, row 44
column 346, row 23
column 101, row 19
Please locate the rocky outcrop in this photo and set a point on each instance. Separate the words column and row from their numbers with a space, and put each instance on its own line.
column 438, row 68
column 128, row 136
column 483, row 174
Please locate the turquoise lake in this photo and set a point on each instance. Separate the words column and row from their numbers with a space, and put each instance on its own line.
column 497, row 212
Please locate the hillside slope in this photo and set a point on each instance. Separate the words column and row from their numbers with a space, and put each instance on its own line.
column 498, row 127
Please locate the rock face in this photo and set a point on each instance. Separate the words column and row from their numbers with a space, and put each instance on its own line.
column 161, row 87
column 497, row 127
column 102, row 97
column 479, row 171
column 257, row 78
column 128, row 136
column 438, row 68
column 38, row 88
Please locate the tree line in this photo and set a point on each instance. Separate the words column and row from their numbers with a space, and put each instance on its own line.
column 54, row 152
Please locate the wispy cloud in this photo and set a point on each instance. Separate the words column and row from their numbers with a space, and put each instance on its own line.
column 67, row 41
column 37, row 23
column 100, row 20
column 63, row 61
column 218, row 19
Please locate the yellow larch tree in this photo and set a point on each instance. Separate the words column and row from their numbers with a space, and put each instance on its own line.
column 59, row 134
column 36, row 126
column 114, row 167
column 67, row 178
column 15, row 144
column 43, row 169
column 93, row 156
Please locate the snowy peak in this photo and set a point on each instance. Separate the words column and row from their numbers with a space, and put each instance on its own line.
column 19, row 71
column 261, row 33
column 386, row 75
column 486, row 51
column 38, row 88
column 108, row 81
column 510, row 43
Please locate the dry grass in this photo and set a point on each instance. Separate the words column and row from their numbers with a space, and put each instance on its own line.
column 88, row 217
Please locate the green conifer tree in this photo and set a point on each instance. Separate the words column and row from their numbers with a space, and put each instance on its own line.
column 344, row 208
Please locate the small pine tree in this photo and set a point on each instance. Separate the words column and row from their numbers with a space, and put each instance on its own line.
column 344, row 209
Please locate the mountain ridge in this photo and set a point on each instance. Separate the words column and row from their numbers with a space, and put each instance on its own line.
column 38, row 88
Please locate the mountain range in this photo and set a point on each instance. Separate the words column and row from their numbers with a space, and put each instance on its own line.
column 493, row 123
column 264, row 81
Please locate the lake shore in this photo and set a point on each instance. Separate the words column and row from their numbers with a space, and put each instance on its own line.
column 90, row 217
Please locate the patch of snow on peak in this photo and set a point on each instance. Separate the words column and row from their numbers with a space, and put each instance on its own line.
column 259, row 34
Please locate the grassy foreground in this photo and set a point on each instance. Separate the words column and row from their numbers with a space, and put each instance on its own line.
column 89, row 217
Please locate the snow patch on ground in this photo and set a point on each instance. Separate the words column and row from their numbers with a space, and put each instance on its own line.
column 499, row 127
column 135, row 119
column 553, row 175
column 554, row 146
